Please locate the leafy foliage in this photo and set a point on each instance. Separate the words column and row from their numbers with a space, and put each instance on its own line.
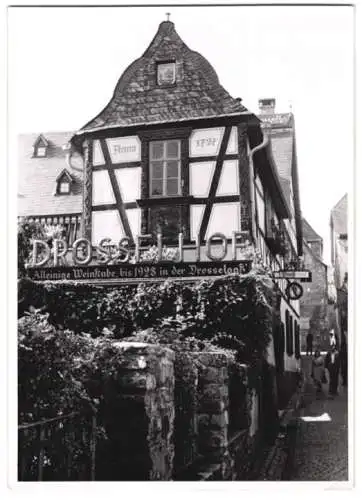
column 234, row 312
column 49, row 369
column 27, row 232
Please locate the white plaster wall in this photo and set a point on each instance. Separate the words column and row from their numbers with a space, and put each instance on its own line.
column 233, row 142
column 106, row 224
column 129, row 182
column 229, row 179
column 197, row 148
column 134, row 219
column 98, row 158
column 102, row 191
column 224, row 218
column 196, row 214
column 118, row 156
column 201, row 174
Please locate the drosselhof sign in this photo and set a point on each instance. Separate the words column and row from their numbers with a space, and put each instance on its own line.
column 83, row 261
column 141, row 272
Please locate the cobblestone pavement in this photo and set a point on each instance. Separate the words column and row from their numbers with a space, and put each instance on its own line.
column 321, row 452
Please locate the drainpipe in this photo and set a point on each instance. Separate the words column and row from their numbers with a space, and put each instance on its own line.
column 260, row 146
column 68, row 161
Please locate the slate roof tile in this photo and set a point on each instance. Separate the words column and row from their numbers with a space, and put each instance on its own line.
column 37, row 178
column 137, row 100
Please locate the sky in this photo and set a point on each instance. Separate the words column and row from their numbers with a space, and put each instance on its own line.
column 63, row 65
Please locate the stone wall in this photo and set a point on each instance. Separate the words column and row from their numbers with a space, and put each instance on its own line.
column 139, row 416
column 213, row 414
column 178, row 416
column 186, row 405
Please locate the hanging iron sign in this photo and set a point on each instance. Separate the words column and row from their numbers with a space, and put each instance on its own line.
column 294, row 290
column 302, row 275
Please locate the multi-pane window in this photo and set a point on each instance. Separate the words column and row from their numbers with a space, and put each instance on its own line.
column 40, row 151
column 166, row 73
column 165, row 168
column 64, row 187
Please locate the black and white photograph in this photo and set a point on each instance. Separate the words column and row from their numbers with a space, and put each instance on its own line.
column 184, row 180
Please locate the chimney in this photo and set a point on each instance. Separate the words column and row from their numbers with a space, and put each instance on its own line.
column 267, row 106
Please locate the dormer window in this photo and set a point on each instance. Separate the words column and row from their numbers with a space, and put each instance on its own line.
column 64, row 182
column 166, row 73
column 40, row 147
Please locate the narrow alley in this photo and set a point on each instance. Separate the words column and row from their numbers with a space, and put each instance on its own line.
column 321, row 452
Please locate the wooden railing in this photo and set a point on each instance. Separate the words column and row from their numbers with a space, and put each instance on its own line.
column 71, row 224
column 58, row 449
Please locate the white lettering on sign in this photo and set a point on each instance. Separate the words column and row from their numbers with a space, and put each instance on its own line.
column 205, row 142
column 124, row 149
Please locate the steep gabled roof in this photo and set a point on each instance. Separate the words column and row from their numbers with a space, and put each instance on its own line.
column 65, row 173
column 37, row 178
column 138, row 100
column 339, row 216
column 309, row 233
column 41, row 139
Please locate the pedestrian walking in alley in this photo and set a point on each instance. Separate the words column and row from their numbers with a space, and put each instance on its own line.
column 310, row 344
column 332, row 363
column 318, row 371
column 344, row 365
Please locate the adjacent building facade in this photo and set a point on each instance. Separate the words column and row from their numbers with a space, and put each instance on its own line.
column 279, row 129
column 314, row 304
column 339, row 258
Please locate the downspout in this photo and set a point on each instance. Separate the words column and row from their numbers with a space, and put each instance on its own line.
column 260, row 146
column 68, row 158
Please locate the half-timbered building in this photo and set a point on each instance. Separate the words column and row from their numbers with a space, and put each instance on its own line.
column 173, row 153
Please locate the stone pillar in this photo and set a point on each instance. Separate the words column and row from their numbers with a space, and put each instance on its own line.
column 186, row 421
column 139, row 415
column 213, row 417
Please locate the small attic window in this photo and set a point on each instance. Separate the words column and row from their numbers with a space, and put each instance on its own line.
column 40, row 147
column 64, row 187
column 64, row 183
column 40, row 151
column 166, row 73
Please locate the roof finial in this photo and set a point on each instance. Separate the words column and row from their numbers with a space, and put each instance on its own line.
column 168, row 16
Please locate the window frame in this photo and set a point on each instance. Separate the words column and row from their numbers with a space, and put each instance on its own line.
column 165, row 63
column 60, row 187
column 165, row 159
column 40, row 148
